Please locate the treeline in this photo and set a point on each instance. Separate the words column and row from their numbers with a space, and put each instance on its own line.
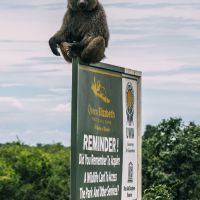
column 34, row 173
column 171, row 166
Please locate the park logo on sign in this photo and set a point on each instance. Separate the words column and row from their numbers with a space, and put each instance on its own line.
column 129, row 103
column 99, row 91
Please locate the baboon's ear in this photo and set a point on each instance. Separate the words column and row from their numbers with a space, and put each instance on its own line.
column 72, row 4
column 92, row 4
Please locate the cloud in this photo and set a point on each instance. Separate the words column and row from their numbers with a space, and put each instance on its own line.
column 63, row 108
column 31, row 5
column 61, row 91
column 10, row 85
column 179, row 79
column 11, row 102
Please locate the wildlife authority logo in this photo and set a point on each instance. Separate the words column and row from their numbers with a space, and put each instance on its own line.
column 99, row 91
column 129, row 103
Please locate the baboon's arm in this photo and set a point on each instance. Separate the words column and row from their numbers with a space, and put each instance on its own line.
column 59, row 36
column 62, row 33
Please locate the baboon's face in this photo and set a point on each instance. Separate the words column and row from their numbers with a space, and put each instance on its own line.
column 84, row 5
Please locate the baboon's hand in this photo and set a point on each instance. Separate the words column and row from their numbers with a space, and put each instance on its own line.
column 77, row 46
column 53, row 45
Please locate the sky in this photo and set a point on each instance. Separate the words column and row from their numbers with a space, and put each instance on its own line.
column 158, row 37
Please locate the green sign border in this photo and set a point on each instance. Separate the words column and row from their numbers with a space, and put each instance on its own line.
column 124, row 73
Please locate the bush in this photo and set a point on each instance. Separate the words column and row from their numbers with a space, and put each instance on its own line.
column 34, row 173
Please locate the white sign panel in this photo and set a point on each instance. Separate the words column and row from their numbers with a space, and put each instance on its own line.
column 130, row 159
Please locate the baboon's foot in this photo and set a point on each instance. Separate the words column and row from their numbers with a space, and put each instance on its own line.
column 65, row 49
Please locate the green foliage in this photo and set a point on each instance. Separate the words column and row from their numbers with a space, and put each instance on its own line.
column 34, row 173
column 8, row 180
column 159, row 192
column 171, row 157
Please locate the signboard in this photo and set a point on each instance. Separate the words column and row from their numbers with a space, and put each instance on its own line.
column 106, row 145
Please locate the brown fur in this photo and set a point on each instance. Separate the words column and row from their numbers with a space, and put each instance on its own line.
column 65, row 48
column 84, row 32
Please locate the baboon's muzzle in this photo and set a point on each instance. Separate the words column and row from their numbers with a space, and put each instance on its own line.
column 82, row 4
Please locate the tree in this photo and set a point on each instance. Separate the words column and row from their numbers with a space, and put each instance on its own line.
column 171, row 157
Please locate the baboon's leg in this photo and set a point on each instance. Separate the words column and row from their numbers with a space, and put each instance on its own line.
column 94, row 51
column 64, row 47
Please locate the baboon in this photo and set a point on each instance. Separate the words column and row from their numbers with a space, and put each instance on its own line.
column 84, row 32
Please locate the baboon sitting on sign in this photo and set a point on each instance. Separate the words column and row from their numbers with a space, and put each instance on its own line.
column 84, row 32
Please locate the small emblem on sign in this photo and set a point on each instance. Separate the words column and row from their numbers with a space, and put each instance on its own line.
column 99, row 91
column 130, row 172
column 129, row 103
